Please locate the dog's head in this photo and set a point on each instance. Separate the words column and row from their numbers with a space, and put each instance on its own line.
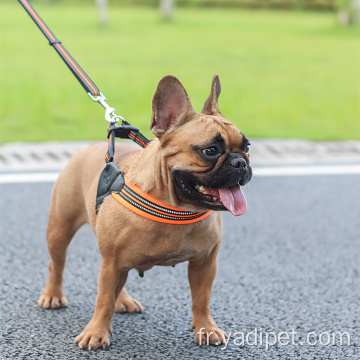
column 205, row 155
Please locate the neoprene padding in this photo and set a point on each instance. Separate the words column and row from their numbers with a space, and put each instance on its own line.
column 109, row 177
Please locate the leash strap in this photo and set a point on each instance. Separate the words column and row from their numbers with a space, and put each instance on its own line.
column 75, row 68
column 126, row 130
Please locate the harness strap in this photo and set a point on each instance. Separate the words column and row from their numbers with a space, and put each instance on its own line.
column 143, row 204
column 136, row 136
column 125, row 130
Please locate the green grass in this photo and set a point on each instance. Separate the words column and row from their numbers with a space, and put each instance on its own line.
column 283, row 74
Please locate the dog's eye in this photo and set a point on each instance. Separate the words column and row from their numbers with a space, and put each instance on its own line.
column 246, row 148
column 211, row 151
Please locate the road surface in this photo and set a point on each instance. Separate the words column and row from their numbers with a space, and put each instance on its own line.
column 287, row 285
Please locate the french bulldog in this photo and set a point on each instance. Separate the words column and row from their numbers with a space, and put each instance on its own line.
column 197, row 162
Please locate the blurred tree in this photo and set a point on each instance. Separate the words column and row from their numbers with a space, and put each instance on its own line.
column 348, row 12
column 167, row 8
column 102, row 6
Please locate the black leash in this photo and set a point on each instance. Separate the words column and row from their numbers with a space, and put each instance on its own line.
column 125, row 130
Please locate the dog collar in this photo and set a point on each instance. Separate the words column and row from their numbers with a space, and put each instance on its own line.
column 113, row 181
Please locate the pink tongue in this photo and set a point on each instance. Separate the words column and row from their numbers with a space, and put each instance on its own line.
column 232, row 198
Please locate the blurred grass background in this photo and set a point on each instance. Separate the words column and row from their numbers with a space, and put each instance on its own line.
column 284, row 74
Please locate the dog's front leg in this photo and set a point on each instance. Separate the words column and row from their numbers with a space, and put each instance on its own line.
column 96, row 333
column 201, row 275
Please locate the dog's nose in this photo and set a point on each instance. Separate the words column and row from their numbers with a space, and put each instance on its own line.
column 239, row 163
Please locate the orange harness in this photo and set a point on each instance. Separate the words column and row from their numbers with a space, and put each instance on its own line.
column 145, row 205
column 113, row 181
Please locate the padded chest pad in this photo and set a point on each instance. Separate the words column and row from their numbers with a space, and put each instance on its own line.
column 111, row 180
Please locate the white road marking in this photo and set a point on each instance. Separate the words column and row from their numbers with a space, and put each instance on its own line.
column 352, row 169
column 23, row 178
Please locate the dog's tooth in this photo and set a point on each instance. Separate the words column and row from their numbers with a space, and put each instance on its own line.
column 201, row 189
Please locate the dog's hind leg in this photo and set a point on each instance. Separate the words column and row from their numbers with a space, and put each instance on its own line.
column 126, row 304
column 59, row 235
column 64, row 221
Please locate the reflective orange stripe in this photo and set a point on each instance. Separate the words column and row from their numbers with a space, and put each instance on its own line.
column 137, row 211
column 156, row 210
column 38, row 20
column 58, row 46
column 145, row 195
column 137, row 139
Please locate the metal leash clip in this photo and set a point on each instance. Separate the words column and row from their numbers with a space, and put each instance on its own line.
column 110, row 115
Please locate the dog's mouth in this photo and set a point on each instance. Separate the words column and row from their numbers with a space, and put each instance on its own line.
column 226, row 198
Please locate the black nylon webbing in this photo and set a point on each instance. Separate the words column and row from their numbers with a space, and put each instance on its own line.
column 75, row 68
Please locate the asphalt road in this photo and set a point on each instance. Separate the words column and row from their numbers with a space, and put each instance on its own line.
column 290, row 264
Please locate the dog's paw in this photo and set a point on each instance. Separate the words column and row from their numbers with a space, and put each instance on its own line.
column 93, row 338
column 209, row 335
column 53, row 301
column 126, row 304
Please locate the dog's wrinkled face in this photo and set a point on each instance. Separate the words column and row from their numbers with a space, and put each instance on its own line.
column 206, row 155
column 220, row 166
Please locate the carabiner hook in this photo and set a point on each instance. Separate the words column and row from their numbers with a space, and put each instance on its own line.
column 108, row 112
column 110, row 115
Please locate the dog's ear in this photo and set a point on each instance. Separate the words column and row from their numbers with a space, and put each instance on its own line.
column 211, row 103
column 171, row 106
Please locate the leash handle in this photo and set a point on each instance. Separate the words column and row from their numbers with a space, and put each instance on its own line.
column 75, row 68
